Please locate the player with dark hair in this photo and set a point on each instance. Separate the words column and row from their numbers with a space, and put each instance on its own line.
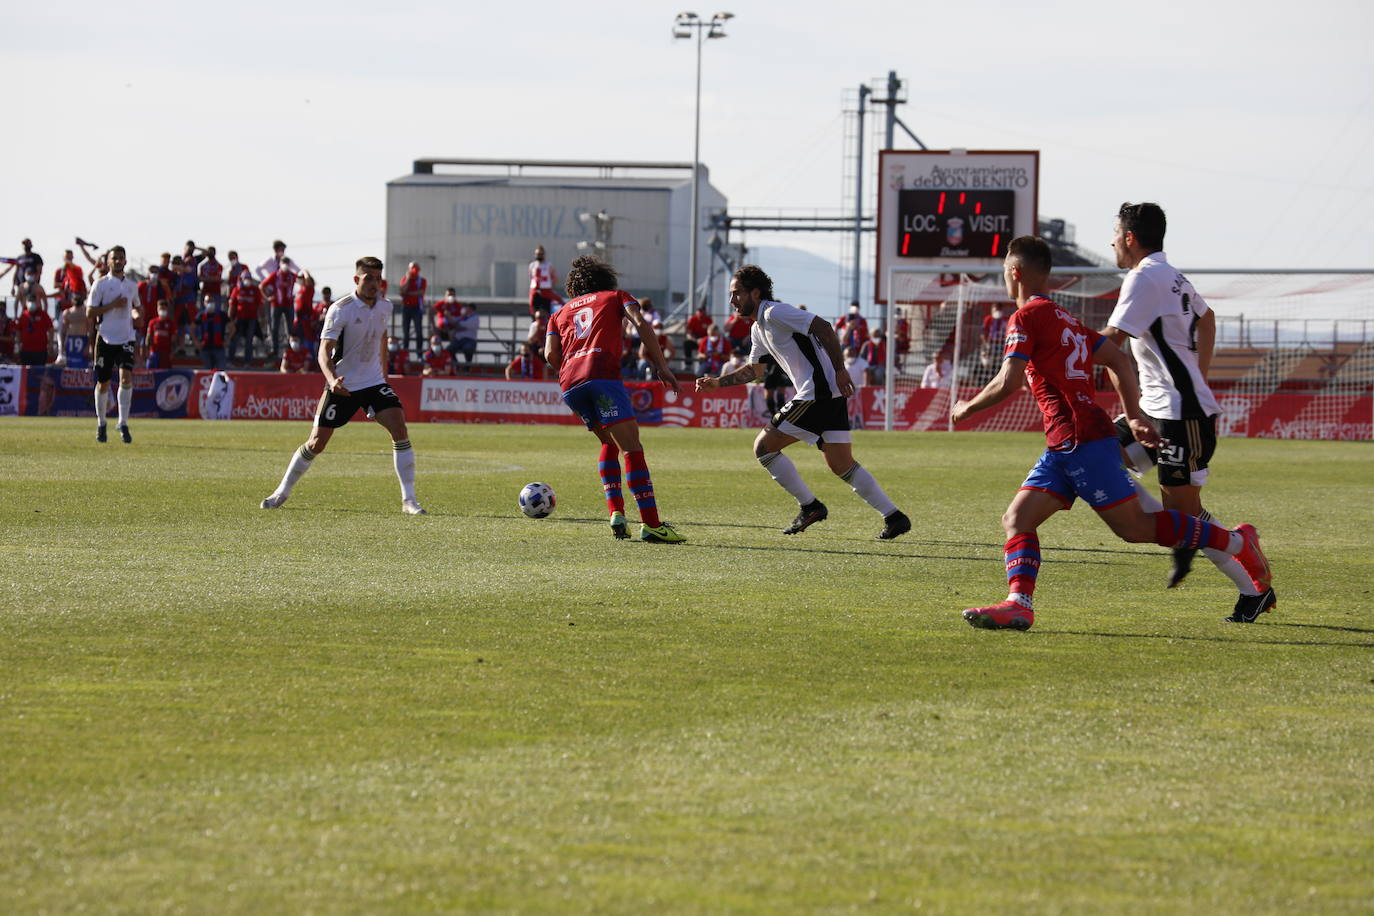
column 1172, row 332
column 1049, row 350
column 807, row 347
column 353, row 348
column 113, row 298
column 585, row 344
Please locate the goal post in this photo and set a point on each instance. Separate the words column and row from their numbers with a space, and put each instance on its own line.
column 1294, row 353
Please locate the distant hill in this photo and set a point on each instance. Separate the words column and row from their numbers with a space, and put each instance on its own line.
column 803, row 278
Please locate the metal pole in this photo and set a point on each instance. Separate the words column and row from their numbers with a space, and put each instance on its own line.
column 859, row 197
column 696, row 181
column 958, row 344
column 893, row 84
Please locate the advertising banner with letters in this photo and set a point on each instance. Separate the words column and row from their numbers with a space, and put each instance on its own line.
column 54, row 391
column 61, row 392
column 11, row 382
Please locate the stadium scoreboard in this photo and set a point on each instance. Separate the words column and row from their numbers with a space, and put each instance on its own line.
column 954, row 224
column 956, row 209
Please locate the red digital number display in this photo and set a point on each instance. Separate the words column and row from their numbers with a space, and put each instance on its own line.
column 954, row 223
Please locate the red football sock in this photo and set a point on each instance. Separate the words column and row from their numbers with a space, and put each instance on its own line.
column 1174, row 529
column 641, row 487
column 1022, row 553
column 610, row 477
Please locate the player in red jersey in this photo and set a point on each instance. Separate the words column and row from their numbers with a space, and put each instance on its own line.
column 584, row 345
column 162, row 332
column 1049, row 350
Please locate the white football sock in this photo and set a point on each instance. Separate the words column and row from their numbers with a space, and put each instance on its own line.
column 1139, row 457
column 781, row 469
column 126, row 401
column 300, row 463
column 1148, row 501
column 867, row 488
column 1228, row 564
column 102, row 405
column 404, row 456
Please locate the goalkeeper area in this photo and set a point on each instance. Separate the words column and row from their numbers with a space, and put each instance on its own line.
column 337, row 708
column 1294, row 356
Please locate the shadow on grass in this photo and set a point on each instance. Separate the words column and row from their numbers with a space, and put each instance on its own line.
column 1324, row 626
column 1181, row 637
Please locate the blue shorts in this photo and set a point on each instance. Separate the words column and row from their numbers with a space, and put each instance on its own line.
column 602, row 402
column 1093, row 471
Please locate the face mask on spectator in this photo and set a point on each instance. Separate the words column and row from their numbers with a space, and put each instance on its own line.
column 393, row 346
column 295, row 344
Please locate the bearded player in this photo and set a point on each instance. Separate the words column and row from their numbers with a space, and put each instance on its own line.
column 585, row 344
column 806, row 346
column 1050, row 351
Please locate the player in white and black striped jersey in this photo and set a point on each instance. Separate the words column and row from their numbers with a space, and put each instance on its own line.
column 1172, row 332
column 805, row 346
column 353, row 350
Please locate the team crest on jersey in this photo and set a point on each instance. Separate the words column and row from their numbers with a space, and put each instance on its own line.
column 954, row 231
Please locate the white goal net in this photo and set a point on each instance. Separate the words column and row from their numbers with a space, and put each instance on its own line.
column 1294, row 356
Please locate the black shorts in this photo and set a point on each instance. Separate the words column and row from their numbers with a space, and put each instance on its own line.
column 1187, row 448
column 334, row 410
column 814, row 422
column 109, row 357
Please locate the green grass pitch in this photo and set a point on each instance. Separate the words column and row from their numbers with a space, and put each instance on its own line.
column 336, row 708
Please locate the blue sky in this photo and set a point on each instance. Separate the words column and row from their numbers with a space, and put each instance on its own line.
column 150, row 123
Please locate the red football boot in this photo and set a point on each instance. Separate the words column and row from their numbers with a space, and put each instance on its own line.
column 1005, row 616
column 1253, row 559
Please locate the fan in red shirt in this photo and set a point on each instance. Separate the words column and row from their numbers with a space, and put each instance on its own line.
column 35, row 335
column 852, row 328
column 245, row 300
column 584, row 344
column 162, row 332
column 447, row 312
column 437, row 360
column 295, row 358
column 1048, row 349
column 278, row 288
column 527, row 365
column 737, row 329
column 413, row 286
column 398, row 360
column 211, row 273
column 698, row 324
column 713, row 350
column 69, row 282
column 305, row 304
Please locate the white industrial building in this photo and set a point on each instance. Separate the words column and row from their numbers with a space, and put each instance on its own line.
column 473, row 224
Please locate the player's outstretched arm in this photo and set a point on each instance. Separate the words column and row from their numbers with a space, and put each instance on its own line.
column 1121, row 370
column 1006, row 382
column 747, row 373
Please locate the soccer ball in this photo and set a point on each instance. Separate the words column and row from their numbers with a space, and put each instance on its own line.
column 537, row 500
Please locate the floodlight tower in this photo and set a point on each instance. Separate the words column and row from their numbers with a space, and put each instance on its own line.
column 683, row 27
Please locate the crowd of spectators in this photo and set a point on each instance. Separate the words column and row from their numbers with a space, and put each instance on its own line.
column 194, row 309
